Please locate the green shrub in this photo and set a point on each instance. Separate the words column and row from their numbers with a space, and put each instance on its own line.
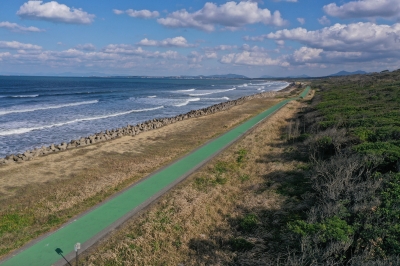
column 240, row 244
column 241, row 156
column 248, row 223
column 331, row 229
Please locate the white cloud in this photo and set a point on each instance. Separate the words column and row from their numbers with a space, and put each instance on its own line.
column 252, row 59
column 221, row 47
column 138, row 13
column 4, row 55
column 86, row 47
column 255, row 38
column 18, row 46
column 231, row 15
column 293, row 1
column 366, row 37
column 365, row 9
column 324, row 21
column 169, row 42
column 18, row 28
column 302, row 21
column 211, row 55
column 118, row 12
column 126, row 49
column 54, row 12
column 306, row 54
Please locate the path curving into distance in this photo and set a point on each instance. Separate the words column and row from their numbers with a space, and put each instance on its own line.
column 56, row 248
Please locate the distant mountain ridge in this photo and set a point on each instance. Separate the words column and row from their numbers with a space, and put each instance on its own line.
column 287, row 77
column 346, row 73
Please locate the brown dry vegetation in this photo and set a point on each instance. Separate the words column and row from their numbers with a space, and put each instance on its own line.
column 40, row 195
column 200, row 221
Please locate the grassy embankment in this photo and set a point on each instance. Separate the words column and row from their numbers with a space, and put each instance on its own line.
column 204, row 220
column 322, row 188
column 40, row 195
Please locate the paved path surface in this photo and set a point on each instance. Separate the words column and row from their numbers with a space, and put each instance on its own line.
column 94, row 224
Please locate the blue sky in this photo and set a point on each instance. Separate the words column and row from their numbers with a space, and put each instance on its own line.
column 164, row 38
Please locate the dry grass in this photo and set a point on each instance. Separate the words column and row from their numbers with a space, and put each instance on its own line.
column 195, row 223
column 39, row 195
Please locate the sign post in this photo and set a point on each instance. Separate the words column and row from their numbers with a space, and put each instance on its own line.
column 77, row 247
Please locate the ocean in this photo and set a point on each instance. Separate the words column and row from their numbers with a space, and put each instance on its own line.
column 37, row 111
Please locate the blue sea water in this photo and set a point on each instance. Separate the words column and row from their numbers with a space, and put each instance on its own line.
column 37, row 111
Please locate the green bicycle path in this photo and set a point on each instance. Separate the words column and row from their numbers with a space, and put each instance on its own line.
column 89, row 225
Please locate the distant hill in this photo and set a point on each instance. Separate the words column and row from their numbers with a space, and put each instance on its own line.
column 288, row 77
column 228, row 76
column 346, row 73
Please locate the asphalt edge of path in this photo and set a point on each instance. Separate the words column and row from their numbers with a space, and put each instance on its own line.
column 136, row 211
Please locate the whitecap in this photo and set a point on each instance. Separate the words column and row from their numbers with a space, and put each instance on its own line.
column 185, row 90
column 25, row 96
column 153, row 96
column 216, row 99
column 4, row 112
column 211, row 92
column 25, row 130
column 187, row 102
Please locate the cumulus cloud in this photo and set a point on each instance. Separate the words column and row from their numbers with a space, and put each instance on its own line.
column 231, row 15
column 302, row 21
column 169, row 42
column 54, row 12
column 86, row 47
column 127, row 49
column 18, row 46
column 18, row 28
column 221, row 47
column 252, row 59
column 324, row 21
column 365, row 9
column 367, row 37
column 138, row 13
column 306, row 54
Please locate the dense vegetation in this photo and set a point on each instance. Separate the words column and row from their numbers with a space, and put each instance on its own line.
column 348, row 198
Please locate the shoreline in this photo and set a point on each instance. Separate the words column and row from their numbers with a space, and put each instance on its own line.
column 132, row 130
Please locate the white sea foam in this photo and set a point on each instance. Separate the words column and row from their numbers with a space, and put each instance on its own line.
column 4, row 112
column 187, row 102
column 216, row 99
column 211, row 92
column 185, row 90
column 25, row 96
column 153, row 96
column 25, row 130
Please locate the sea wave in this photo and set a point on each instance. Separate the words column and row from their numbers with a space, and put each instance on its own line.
column 216, row 99
column 24, row 96
column 29, row 129
column 211, row 92
column 152, row 96
column 185, row 90
column 4, row 112
column 187, row 102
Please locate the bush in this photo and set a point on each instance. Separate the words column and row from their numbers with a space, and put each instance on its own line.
column 248, row 223
column 240, row 244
